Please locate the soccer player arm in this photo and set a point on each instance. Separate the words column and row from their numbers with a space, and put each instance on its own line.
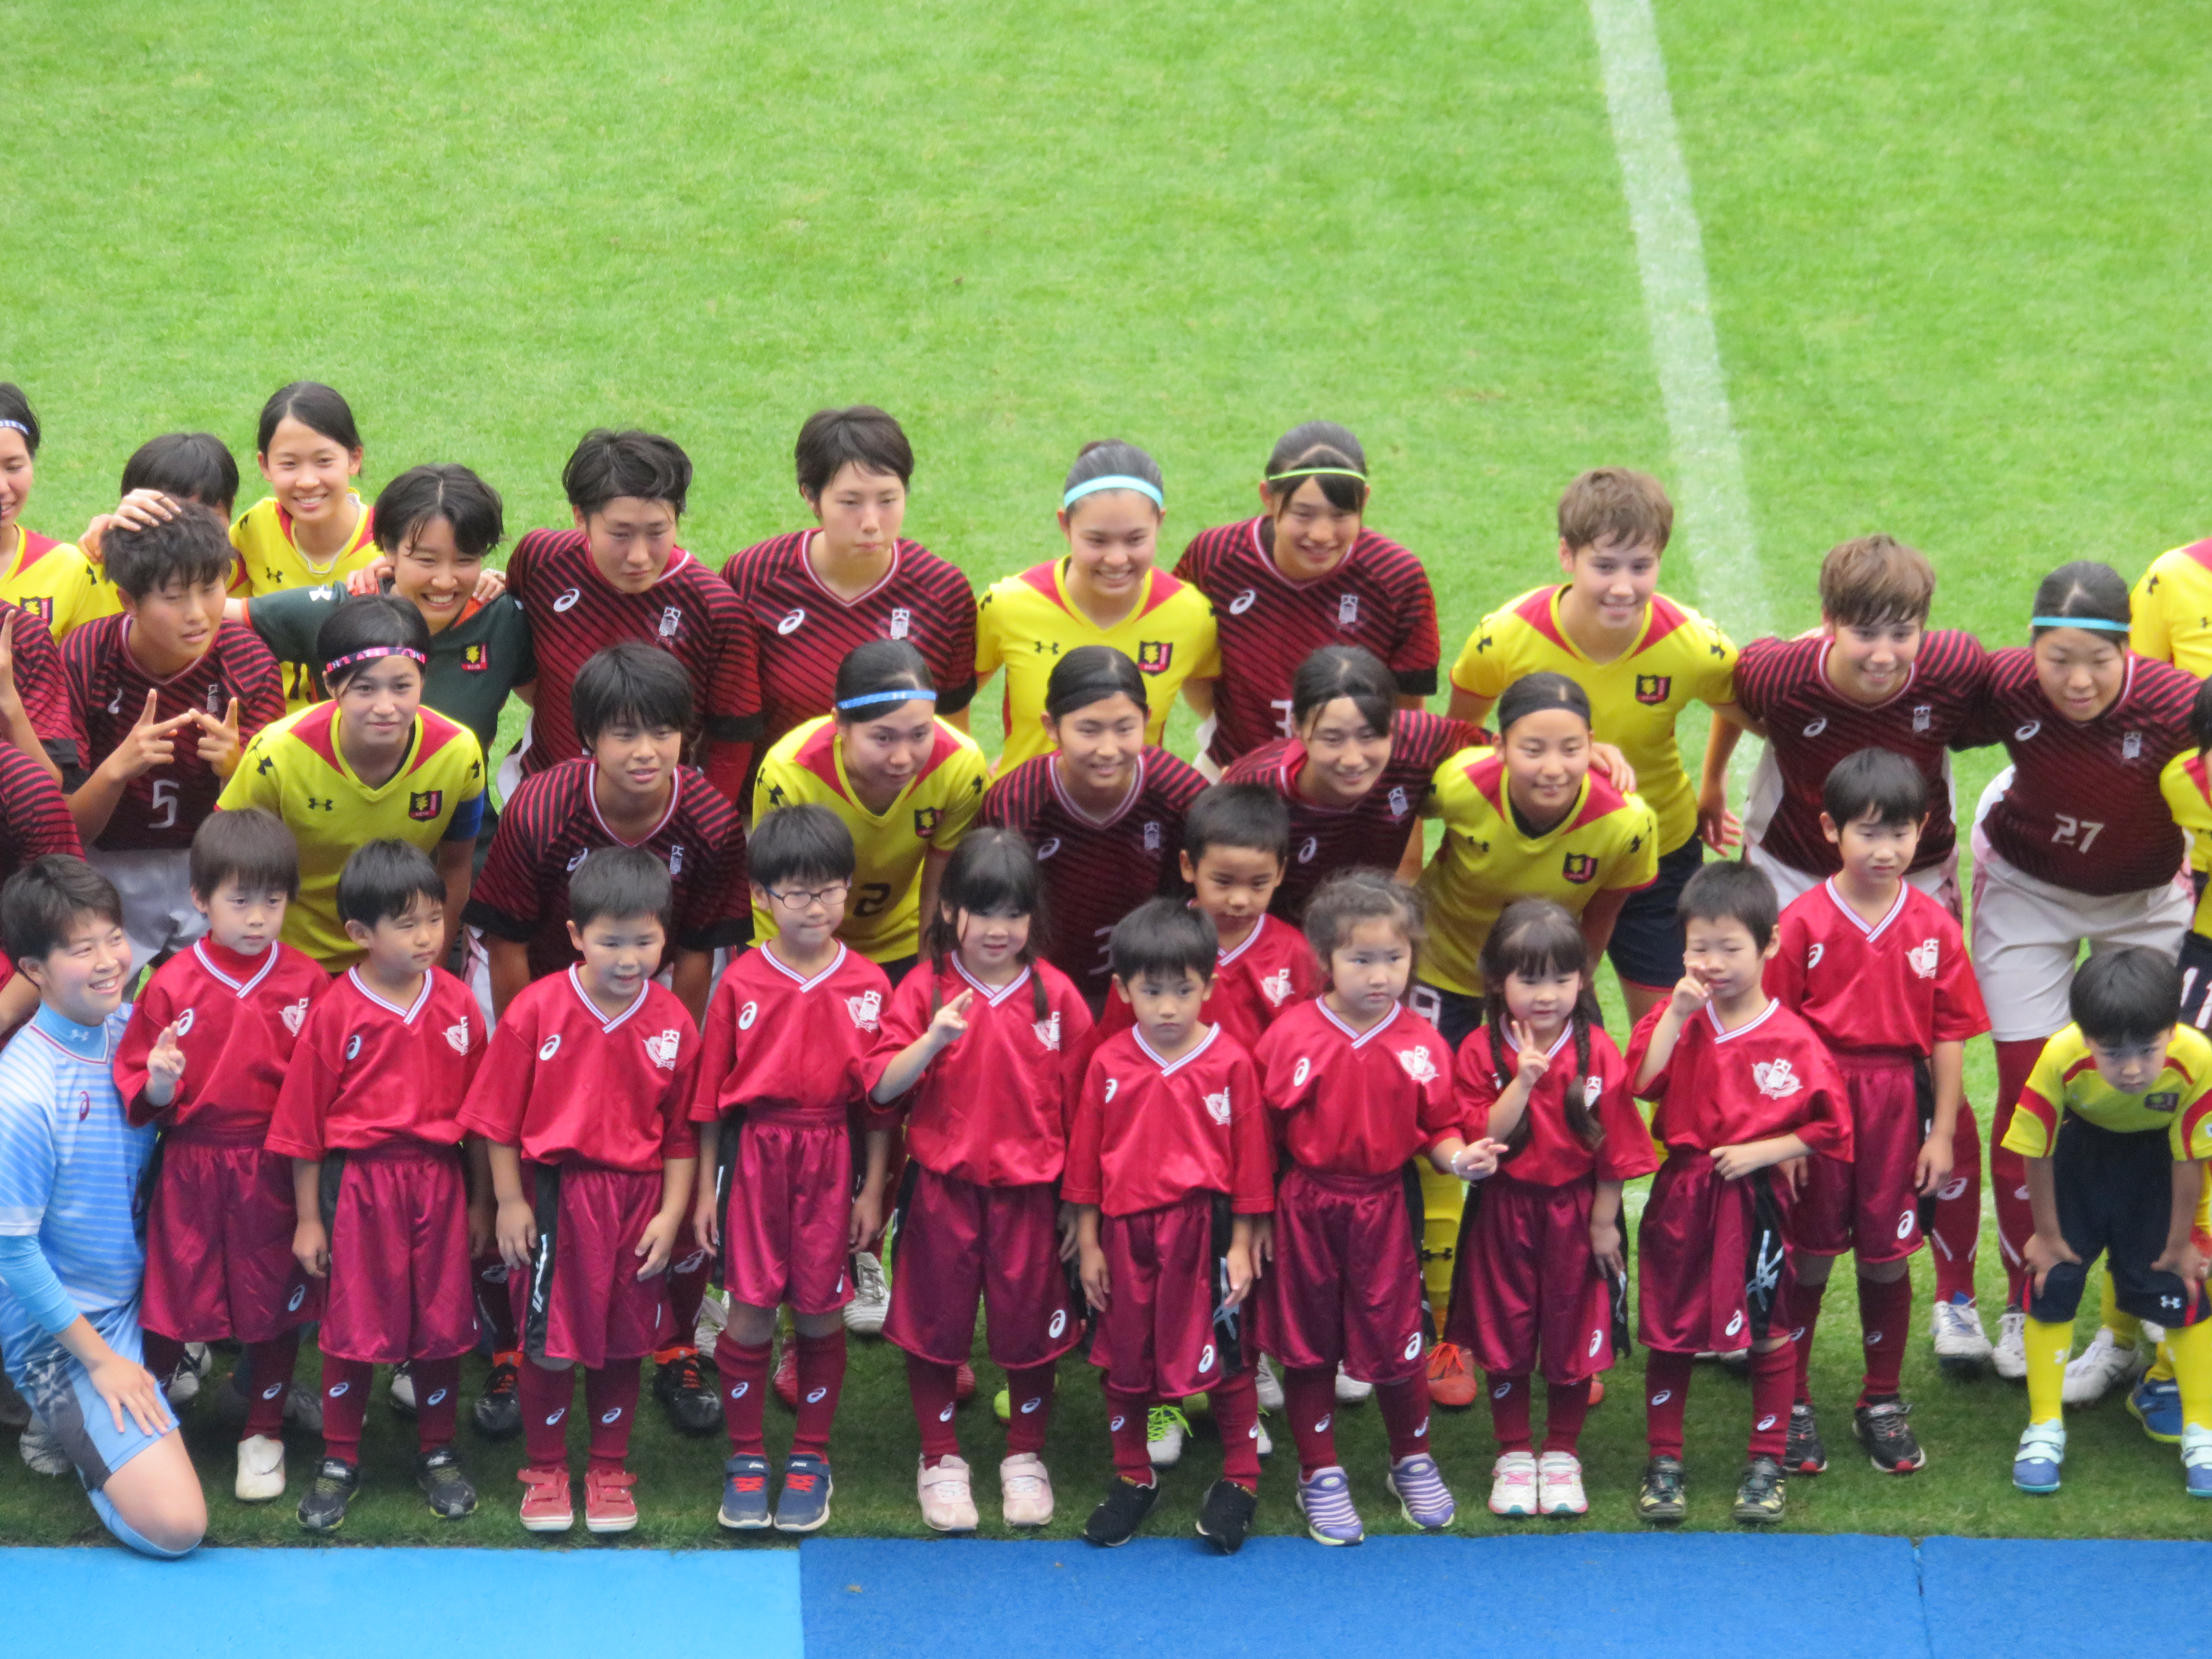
column 16, row 722
column 19, row 1000
column 126, row 1386
column 1948, row 1063
column 457, row 868
column 1605, row 1229
column 1465, row 705
column 311, row 1242
column 933, row 873
column 1690, row 995
column 2181, row 1255
column 1734, row 1163
column 868, row 1208
column 691, row 977
column 2046, row 1246
column 1598, row 917
column 1199, row 694
column 516, row 1225
column 904, row 1069
column 1717, row 827
column 2148, row 634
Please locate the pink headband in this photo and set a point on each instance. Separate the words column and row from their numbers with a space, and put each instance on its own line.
column 372, row 652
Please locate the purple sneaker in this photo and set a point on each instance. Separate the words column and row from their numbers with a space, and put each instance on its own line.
column 1422, row 1493
column 1325, row 1500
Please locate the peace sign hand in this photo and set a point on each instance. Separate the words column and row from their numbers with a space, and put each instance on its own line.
column 151, row 742
column 951, row 1023
column 220, row 744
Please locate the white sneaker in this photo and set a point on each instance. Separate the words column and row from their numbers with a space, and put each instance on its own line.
column 1350, row 1391
column 42, row 1450
column 260, row 1469
column 2104, row 1365
column 713, row 1315
column 1025, row 1490
column 184, row 1384
column 1956, row 1326
column 871, row 1297
column 2009, row 1357
column 1165, row 1431
column 1270, row 1386
column 1263, row 1442
column 948, row 1502
column 15, row 1411
column 1513, row 1484
column 403, row 1389
column 1560, row 1484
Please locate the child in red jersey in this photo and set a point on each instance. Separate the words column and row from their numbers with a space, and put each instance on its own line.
column 788, row 1030
column 1879, row 970
column 1356, row 1083
column 1172, row 1177
column 1742, row 1085
column 583, row 1102
column 370, row 1114
column 979, row 1216
column 1540, row 1247
column 203, row 1057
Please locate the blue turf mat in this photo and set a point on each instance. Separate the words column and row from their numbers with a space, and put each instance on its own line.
column 337, row 1603
column 2038, row 1599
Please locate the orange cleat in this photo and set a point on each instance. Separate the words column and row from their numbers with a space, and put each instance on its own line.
column 1451, row 1384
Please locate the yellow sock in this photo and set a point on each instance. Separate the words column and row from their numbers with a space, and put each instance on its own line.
column 1444, row 1201
column 2161, row 1368
column 2047, row 1347
column 2125, row 1327
column 2193, row 1370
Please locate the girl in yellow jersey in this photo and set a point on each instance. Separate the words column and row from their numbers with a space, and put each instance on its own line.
column 906, row 784
column 1105, row 590
column 49, row 578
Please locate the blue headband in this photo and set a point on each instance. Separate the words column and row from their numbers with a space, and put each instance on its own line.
column 1113, row 481
column 2095, row 625
column 867, row 699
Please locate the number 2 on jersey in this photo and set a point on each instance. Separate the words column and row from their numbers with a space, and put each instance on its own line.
column 2075, row 832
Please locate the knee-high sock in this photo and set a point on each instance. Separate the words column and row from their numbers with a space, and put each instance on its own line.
column 269, row 1368
column 2047, row 1348
column 1309, row 1401
column 1236, row 1416
column 1885, row 1326
column 1954, row 1237
column 1566, row 1405
column 2162, row 1363
column 345, row 1406
column 1509, row 1411
column 1444, row 1201
column 745, row 1393
column 2192, row 1370
column 2125, row 1328
column 2009, row 1171
column 1666, row 1391
column 1127, row 1419
column 931, row 1387
column 1404, row 1408
column 1029, row 1393
column 821, row 1381
column 1773, row 1380
column 437, row 1402
column 1804, row 1316
column 611, row 1394
column 686, row 1291
column 545, row 1397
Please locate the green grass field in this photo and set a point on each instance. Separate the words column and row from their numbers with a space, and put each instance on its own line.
column 1955, row 254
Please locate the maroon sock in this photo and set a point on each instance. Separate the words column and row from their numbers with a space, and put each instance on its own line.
column 1565, row 1406
column 160, row 1354
column 345, row 1406
column 1127, row 1419
column 494, row 1299
column 1666, row 1391
column 1509, row 1411
column 1029, row 1392
column 1885, row 1325
column 437, row 1402
column 269, row 1368
column 2009, row 1171
column 1309, row 1401
column 1406, row 1415
column 745, row 1393
column 1236, row 1416
column 1955, row 1236
column 1773, row 1380
column 821, row 1381
column 1804, row 1315
column 611, row 1396
column 931, row 1387
column 544, row 1397
column 687, row 1289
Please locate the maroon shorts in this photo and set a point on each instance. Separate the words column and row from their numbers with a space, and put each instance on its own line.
column 400, row 1286
column 1344, row 1286
column 219, row 1262
column 787, row 1212
column 582, row 1299
column 960, row 1244
column 1690, row 1258
column 1157, row 1335
column 1525, row 1286
column 1868, row 1206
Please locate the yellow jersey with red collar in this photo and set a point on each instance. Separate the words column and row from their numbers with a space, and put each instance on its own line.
column 2179, row 1104
column 2186, row 783
column 883, row 916
column 269, row 560
column 1607, row 841
column 1026, row 623
column 2172, row 609
column 1679, row 658
column 51, row 579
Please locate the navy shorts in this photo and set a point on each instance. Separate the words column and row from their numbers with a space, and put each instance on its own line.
column 2197, row 980
column 1647, row 941
column 2115, row 1196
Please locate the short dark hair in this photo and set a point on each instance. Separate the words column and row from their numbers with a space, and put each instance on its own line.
column 1346, row 671
column 313, row 405
column 990, row 871
column 46, row 899
column 249, row 846
column 1251, row 816
column 880, row 665
column 1877, row 780
column 621, row 881
column 2125, row 996
column 193, row 466
column 1163, row 938
column 1319, row 444
column 445, row 491
column 1092, row 673
column 1352, row 896
column 630, row 680
column 1533, row 693
column 609, row 465
column 383, row 879
column 192, row 547
column 14, row 406
column 2089, row 590
column 1110, row 457
column 1731, row 892
column 367, row 621
column 862, row 435
column 799, row 843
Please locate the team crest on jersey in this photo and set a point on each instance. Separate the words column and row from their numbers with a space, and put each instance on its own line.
column 1216, row 1106
column 792, row 620
column 1047, row 1031
column 1654, row 688
column 1347, row 610
column 1276, row 987
column 661, row 1050
column 1775, row 1078
column 2131, row 745
column 1419, row 1064
column 1578, row 867
column 901, row 623
column 2165, row 1100
column 1592, row 1088
column 294, row 1015
column 568, row 599
column 866, row 1009
column 1243, row 602
column 457, row 1035
column 1399, row 805
column 1152, row 835
column 1923, row 957
column 184, row 1022
column 475, row 658
column 675, row 860
column 1154, row 656
column 670, row 620
column 1923, row 716
column 925, row 821
column 423, row 805
column 215, row 697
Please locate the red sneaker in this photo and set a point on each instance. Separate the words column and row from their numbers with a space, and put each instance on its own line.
column 963, row 1383
column 787, row 1375
column 1451, row 1385
column 608, row 1506
column 1597, row 1391
column 546, row 1506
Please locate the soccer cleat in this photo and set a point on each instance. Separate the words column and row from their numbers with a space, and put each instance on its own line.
column 324, row 1507
column 402, row 1394
column 2009, row 1357
column 184, row 1384
column 438, row 1475
column 803, row 1505
column 1880, row 1427
column 546, row 1504
column 1226, row 1515
column 2107, row 1363
column 1165, row 1430
column 1325, row 1500
column 1422, row 1494
column 1762, row 1496
column 963, row 1386
column 786, row 1375
column 1024, row 1491
column 1115, row 1521
column 15, row 1411
column 2157, row 1407
column 1513, row 1484
column 1597, row 1392
column 1451, row 1385
column 872, row 1299
column 1002, row 1404
column 1803, row 1451
column 1560, row 1484
column 498, row 1411
column 260, row 1469
column 1659, row 1498
column 1350, row 1391
column 41, row 1449
column 2197, row 1462
column 694, row 1405
column 608, row 1505
column 1269, row 1385
column 2042, row 1449
column 948, row 1499
column 744, row 1495
column 1961, row 1344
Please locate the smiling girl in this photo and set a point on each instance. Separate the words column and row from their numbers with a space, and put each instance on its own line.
column 51, row 579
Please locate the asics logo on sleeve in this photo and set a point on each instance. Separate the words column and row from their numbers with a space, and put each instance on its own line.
column 185, row 1023
column 1243, row 602
column 792, row 620
column 1113, row 1087
column 1301, row 1072
column 550, row 1048
column 747, row 1015
column 353, row 1048
column 1814, row 954
column 568, row 600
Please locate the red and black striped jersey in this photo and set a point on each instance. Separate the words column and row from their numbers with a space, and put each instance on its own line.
column 1811, row 725
column 574, row 612
column 2084, row 811
column 34, row 815
column 160, row 808
column 40, row 682
column 552, row 820
column 1378, row 596
column 1373, row 831
column 802, row 631
column 1096, row 870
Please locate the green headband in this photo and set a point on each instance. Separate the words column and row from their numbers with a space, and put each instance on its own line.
column 1318, row 472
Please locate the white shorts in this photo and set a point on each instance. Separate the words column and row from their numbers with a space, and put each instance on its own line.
column 1938, row 881
column 159, row 916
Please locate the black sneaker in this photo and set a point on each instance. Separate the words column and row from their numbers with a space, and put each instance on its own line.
column 1803, row 1452
column 1227, row 1516
column 323, row 1508
column 1659, row 1500
column 694, row 1404
column 1760, row 1497
column 1116, row 1520
column 439, row 1473
column 1887, row 1437
column 498, row 1410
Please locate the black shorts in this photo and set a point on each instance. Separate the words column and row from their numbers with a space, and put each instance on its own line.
column 2115, row 1195
column 1647, row 939
column 2197, row 980
column 1456, row 1016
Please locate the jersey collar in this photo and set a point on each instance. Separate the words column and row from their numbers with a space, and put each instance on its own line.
column 1566, row 1036
column 1067, row 600
column 1360, row 1039
column 1169, row 1067
column 406, row 1015
column 1828, row 680
column 792, row 974
column 1121, row 811
column 1223, row 958
column 1721, row 1035
column 151, row 677
column 18, row 553
column 355, row 541
column 242, row 988
column 398, row 779
column 1265, row 555
column 85, row 1043
column 992, row 998
column 576, row 984
column 591, row 795
column 1843, row 905
column 806, row 564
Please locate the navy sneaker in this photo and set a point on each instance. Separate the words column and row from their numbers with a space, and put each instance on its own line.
column 324, row 1507
column 2157, row 1407
column 438, row 1475
column 744, row 1495
column 804, row 1504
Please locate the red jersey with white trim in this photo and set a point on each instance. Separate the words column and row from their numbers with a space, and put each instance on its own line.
column 1096, row 870
column 1148, row 1133
column 237, row 1018
column 2084, row 811
column 1356, row 1102
column 1372, row 832
column 1553, row 1155
column 552, row 820
column 41, row 683
column 1771, row 1076
column 1895, row 988
column 159, row 808
column 793, row 1048
column 368, row 1074
column 1811, row 725
column 990, row 1109
column 1377, row 596
column 802, row 631
column 1273, row 969
column 574, row 611
column 568, row 1085
column 34, row 815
